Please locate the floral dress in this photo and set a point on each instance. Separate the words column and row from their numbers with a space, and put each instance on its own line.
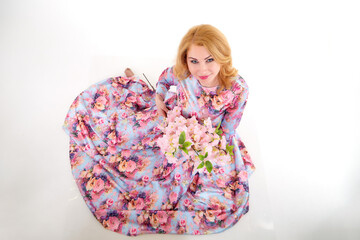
column 124, row 178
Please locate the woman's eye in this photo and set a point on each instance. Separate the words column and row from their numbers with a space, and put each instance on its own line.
column 210, row 60
column 194, row 61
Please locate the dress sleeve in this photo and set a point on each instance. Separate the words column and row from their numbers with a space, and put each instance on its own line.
column 234, row 112
column 166, row 79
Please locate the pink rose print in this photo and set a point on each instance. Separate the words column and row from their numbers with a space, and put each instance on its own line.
column 133, row 231
column 100, row 213
column 102, row 162
column 177, row 176
column 145, row 179
column 182, row 223
column 162, row 217
column 139, row 204
column 173, row 197
column 99, row 185
column 101, row 121
column 130, row 167
column 123, row 115
column 113, row 223
column 109, row 201
column 101, row 100
column 243, row 175
column 187, row 202
column 125, row 153
column 97, row 169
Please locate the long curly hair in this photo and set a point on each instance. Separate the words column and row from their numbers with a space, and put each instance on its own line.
column 216, row 43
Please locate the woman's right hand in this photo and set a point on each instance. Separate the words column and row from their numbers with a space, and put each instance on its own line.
column 160, row 105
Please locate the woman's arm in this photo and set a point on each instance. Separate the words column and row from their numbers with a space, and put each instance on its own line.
column 233, row 114
column 166, row 80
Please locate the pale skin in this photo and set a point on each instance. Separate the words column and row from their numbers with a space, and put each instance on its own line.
column 202, row 66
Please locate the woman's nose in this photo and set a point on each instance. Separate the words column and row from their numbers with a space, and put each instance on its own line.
column 203, row 68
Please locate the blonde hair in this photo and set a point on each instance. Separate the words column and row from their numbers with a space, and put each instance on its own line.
column 218, row 46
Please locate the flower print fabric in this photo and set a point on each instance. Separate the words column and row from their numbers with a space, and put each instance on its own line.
column 127, row 182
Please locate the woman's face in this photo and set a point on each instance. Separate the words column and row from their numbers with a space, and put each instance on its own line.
column 203, row 66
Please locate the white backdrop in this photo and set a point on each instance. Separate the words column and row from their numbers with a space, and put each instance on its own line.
column 301, row 124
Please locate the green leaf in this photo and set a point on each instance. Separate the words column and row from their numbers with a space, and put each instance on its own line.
column 218, row 132
column 208, row 166
column 206, row 154
column 201, row 157
column 201, row 165
column 218, row 126
column 185, row 150
column 229, row 149
column 182, row 137
column 187, row 144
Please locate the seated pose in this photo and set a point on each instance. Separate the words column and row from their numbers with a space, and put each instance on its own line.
column 125, row 179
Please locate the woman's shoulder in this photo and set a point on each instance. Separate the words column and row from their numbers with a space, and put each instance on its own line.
column 238, row 85
column 168, row 70
column 168, row 73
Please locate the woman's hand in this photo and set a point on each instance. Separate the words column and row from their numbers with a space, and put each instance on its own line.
column 160, row 105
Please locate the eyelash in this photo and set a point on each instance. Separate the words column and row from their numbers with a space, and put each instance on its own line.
column 208, row 61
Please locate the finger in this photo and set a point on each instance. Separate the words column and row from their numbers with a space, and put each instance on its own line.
column 165, row 109
column 162, row 106
column 161, row 113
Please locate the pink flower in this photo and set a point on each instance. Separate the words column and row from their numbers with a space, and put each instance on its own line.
column 133, row 231
column 145, row 141
column 221, row 216
column 99, row 185
column 113, row 223
column 243, row 175
column 177, row 176
column 100, row 213
column 209, row 214
column 220, row 182
column 125, row 153
column 101, row 100
column 95, row 196
column 111, row 149
column 154, row 221
column 123, row 115
column 145, row 178
column 97, row 169
column 227, row 97
column 102, row 162
column 131, row 99
column 139, row 204
column 187, row 202
column 101, row 121
column 196, row 232
column 182, row 223
column 173, row 197
column 130, row 167
column 162, row 217
column 221, row 170
column 86, row 147
column 113, row 142
column 109, row 201
column 134, row 193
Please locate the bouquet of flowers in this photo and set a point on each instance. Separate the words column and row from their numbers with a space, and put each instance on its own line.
column 200, row 141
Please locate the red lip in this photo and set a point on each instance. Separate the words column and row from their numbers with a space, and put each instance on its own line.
column 203, row 77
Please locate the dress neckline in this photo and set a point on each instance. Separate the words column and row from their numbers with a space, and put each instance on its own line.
column 204, row 88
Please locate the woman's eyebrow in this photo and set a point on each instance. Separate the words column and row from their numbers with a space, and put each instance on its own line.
column 204, row 58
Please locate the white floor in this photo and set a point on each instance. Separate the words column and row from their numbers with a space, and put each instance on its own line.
column 301, row 124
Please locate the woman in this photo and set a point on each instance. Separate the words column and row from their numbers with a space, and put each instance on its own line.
column 126, row 181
